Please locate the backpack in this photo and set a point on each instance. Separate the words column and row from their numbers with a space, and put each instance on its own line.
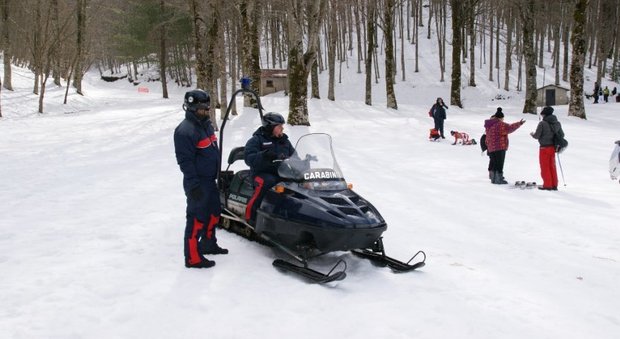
column 483, row 142
column 560, row 143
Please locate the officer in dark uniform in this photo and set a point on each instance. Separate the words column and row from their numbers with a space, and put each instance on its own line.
column 195, row 146
column 268, row 144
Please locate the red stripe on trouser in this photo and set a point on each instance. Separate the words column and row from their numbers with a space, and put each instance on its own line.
column 194, row 255
column 548, row 172
column 259, row 186
column 212, row 222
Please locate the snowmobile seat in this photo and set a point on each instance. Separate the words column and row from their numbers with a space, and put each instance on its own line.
column 242, row 183
column 237, row 153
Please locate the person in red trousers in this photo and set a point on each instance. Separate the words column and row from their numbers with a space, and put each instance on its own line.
column 545, row 131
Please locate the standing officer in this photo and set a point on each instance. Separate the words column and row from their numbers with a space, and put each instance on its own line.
column 195, row 146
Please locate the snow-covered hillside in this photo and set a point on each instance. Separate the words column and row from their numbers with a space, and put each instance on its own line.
column 92, row 220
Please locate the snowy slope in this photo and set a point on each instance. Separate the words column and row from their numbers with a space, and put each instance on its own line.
column 92, row 218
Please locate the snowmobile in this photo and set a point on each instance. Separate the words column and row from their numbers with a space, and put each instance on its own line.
column 312, row 211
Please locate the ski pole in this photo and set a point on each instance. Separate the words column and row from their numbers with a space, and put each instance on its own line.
column 561, row 170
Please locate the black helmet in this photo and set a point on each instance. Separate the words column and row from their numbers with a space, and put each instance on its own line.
column 272, row 119
column 196, row 99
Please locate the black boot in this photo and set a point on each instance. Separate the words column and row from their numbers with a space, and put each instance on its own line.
column 204, row 263
column 498, row 178
column 213, row 250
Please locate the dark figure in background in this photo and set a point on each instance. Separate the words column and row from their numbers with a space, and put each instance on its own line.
column 195, row 146
column 497, row 144
column 438, row 112
column 546, row 129
column 597, row 90
column 263, row 152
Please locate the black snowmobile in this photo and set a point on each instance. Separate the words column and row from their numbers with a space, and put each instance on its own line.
column 311, row 212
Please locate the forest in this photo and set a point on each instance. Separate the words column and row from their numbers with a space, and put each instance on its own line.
column 211, row 44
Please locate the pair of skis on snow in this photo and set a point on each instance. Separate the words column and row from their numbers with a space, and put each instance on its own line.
column 523, row 184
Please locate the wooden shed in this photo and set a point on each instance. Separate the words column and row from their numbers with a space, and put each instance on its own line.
column 273, row 80
column 552, row 95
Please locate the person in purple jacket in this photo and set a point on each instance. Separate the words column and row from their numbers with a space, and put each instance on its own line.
column 497, row 143
column 197, row 154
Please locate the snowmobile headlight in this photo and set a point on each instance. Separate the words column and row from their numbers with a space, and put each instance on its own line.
column 325, row 185
column 278, row 188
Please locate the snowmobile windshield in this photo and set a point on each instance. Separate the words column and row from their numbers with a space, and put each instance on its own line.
column 313, row 164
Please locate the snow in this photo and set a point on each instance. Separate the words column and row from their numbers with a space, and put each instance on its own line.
column 92, row 220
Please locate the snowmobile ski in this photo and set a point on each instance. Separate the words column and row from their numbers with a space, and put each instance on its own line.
column 396, row 265
column 377, row 256
column 312, row 275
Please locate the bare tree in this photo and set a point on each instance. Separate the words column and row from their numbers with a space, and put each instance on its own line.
column 6, row 44
column 440, row 26
column 370, row 50
column 526, row 11
column 199, row 32
column 576, row 107
column 509, row 31
column 388, row 31
column 80, row 46
column 250, row 47
column 163, row 51
column 301, row 14
column 470, row 12
column 455, row 87
column 332, row 36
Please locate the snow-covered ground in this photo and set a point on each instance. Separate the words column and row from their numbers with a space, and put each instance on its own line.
column 92, row 218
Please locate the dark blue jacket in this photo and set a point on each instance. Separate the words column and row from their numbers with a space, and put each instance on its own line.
column 439, row 111
column 195, row 146
column 259, row 144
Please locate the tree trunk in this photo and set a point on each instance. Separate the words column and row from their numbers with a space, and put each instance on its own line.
column 81, row 32
column 527, row 21
column 566, row 43
column 556, row 53
column 163, row 52
column 358, row 31
column 370, row 32
column 55, row 55
column 300, row 62
column 198, row 30
column 250, row 47
column 455, row 87
column 491, row 30
column 508, row 64
column 440, row 26
column 6, row 43
column 314, row 80
column 576, row 107
column 222, row 62
column 471, row 28
column 389, row 53
column 332, row 36
column 213, row 57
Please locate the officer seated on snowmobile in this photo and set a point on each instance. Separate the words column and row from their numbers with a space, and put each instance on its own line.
column 268, row 146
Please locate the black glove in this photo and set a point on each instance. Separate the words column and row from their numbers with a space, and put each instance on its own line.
column 270, row 156
column 196, row 193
